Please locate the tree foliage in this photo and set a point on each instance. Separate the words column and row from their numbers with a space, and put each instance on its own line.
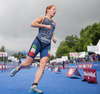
column 19, row 55
column 2, row 49
column 51, row 57
column 91, row 34
column 66, row 46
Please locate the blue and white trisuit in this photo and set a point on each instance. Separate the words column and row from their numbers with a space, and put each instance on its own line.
column 42, row 42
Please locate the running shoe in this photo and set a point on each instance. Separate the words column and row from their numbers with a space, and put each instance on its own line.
column 36, row 90
column 13, row 72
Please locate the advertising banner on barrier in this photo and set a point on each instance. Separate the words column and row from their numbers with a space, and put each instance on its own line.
column 72, row 71
column 84, row 66
column 57, row 69
column 4, row 54
column 0, row 67
column 90, row 75
column 4, row 66
column 80, row 66
column 74, row 54
column 50, row 69
column 87, row 66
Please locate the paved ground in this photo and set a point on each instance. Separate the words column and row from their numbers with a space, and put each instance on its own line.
column 51, row 83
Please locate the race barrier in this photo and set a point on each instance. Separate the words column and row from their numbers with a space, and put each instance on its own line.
column 50, row 69
column 90, row 75
column 73, row 71
column 6, row 67
column 57, row 69
column 0, row 67
column 3, row 67
column 46, row 67
column 63, row 68
column 96, row 65
column 87, row 65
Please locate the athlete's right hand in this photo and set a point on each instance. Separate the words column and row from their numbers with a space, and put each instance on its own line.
column 49, row 27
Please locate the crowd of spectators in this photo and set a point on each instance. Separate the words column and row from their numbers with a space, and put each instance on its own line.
column 87, row 58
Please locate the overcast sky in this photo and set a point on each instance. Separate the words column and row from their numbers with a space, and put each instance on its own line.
column 16, row 34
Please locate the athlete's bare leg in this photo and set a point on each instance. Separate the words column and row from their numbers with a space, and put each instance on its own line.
column 40, row 70
column 26, row 63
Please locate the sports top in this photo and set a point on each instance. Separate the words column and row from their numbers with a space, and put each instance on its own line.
column 45, row 34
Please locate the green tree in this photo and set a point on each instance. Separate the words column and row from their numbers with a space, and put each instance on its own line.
column 15, row 55
column 70, row 41
column 19, row 55
column 51, row 57
column 91, row 34
column 2, row 49
column 66, row 46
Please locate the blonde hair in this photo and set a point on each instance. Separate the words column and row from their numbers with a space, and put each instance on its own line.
column 48, row 7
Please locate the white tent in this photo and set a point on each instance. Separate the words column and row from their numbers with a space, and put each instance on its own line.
column 81, row 55
column 98, row 44
column 95, row 49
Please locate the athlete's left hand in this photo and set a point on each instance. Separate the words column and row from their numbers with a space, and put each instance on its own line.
column 54, row 40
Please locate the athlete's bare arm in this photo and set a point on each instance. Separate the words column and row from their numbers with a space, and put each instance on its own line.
column 54, row 40
column 37, row 23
